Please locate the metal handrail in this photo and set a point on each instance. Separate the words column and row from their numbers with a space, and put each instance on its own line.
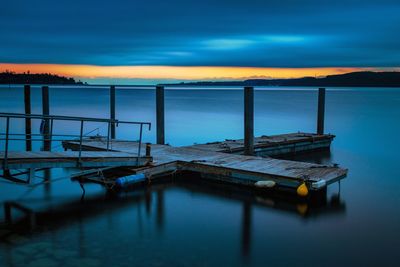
column 69, row 118
column 48, row 130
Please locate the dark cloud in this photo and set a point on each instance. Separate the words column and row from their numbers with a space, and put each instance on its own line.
column 285, row 33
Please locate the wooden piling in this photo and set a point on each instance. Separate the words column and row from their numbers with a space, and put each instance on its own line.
column 248, row 120
column 112, row 110
column 321, row 111
column 46, row 112
column 160, row 113
column 28, row 123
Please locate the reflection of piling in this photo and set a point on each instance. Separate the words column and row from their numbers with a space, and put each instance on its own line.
column 28, row 124
column 47, row 185
column 148, row 198
column 81, row 238
column 246, row 229
column 31, row 175
column 7, row 213
column 30, row 215
column 160, row 209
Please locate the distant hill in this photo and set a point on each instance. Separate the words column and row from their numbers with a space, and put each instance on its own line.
column 8, row 77
column 353, row 79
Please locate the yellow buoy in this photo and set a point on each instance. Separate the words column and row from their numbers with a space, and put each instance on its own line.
column 302, row 190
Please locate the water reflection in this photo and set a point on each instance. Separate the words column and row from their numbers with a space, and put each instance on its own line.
column 246, row 229
column 23, row 222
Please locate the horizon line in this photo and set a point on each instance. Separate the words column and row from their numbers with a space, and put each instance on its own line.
column 91, row 73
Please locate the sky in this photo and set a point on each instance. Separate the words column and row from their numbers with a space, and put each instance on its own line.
column 149, row 41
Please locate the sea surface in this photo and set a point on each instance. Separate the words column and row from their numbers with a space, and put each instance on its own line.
column 189, row 223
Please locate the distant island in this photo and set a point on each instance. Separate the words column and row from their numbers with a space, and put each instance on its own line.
column 9, row 77
column 352, row 79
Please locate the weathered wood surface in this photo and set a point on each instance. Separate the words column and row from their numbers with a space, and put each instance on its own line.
column 273, row 145
column 64, row 159
column 227, row 167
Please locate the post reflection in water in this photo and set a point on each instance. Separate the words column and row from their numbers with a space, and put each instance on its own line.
column 246, row 229
column 86, row 214
column 148, row 199
column 47, row 185
column 160, row 209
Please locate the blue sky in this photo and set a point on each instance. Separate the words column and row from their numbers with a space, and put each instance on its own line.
column 284, row 33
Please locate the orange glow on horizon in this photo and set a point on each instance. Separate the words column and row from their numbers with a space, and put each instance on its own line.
column 173, row 72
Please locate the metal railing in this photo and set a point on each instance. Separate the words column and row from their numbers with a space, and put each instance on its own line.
column 46, row 129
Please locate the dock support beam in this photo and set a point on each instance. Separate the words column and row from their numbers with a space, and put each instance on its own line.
column 112, row 110
column 321, row 111
column 160, row 115
column 46, row 122
column 248, row 120
column 28, row 124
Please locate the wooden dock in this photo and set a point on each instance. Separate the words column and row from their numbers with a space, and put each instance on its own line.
column 70, row 159
column 273, row 145
column 221, row 165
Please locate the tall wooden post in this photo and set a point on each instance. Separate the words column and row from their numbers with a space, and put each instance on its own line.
column 160, row 115
column 321, row 111
column 248, row 120
column 28, row 124
column 46, row 112
column 112, row 110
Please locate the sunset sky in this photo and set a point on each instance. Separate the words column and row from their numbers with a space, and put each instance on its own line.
column 152, row 41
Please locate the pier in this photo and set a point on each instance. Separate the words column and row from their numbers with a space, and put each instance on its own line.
column 245, row 162
column 225, row 167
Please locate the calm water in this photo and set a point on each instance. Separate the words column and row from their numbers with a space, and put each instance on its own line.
column 184, row 223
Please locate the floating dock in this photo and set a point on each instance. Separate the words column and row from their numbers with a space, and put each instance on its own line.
column 210, row 163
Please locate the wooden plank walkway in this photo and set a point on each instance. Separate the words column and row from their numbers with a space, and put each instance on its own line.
column 70, row 159
column 273, row 145
column 227, row 167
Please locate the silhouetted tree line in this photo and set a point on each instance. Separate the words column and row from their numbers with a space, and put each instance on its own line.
column 353, row 79
column 9, row 77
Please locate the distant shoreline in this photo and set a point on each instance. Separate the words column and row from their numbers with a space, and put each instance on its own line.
column 353, row 79
column 8, row 77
